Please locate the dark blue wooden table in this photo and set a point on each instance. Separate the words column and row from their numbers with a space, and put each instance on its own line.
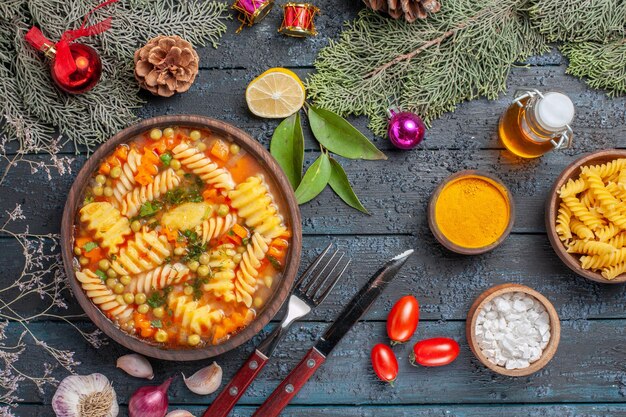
column 587, row 377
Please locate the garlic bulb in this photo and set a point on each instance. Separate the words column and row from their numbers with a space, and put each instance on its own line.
column 85, row 396
column 179, row 413
column 206, row 381
column 135, row 365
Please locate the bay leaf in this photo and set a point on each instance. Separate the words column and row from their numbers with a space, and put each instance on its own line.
column 341, row 186
column 287, row 146
column 314, row 180
column 338, row 136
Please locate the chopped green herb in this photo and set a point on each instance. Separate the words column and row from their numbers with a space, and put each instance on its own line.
column 191, row 236
column 167, row 260
column 87, row 200
column 245, row 241
column 156, row 323
column 197, row 287
column 101, row 274
column 194, row 250
column 277, row 266
column 166, row 158
column 158, row 298
column 150, row 208
column 89, row 246
column 231, row 233
column 113, row 257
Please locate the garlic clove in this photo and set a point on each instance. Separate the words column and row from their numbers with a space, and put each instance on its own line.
column 179, row 413
column 205, row 381
column 135, row 365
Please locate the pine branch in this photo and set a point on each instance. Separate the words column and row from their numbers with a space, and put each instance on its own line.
column 604, row 65
column 463, row 52
column 579, row 20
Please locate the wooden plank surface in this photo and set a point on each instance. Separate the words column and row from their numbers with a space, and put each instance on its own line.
column 554, row 410
column 587, row 376
column 580, row 372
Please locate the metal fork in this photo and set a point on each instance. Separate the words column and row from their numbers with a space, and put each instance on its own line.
column 309, row 291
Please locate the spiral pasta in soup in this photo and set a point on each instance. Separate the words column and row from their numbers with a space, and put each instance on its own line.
column 179, row 238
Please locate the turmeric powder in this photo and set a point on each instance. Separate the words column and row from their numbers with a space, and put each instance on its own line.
column 472, row 211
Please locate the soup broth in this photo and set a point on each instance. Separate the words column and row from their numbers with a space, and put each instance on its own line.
column 179, row 239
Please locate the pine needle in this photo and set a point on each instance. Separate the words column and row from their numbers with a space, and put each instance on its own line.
column 604, row 65
column 579, row 20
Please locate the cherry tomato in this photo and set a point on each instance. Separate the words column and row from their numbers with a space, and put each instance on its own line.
column 384, row 363
column 402, row 319
column 438, row 351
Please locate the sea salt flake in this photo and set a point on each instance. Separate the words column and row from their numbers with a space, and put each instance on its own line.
column 519, row 306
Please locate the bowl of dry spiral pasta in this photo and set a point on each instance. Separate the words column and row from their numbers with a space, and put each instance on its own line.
column 181, row 237
column 586, row 216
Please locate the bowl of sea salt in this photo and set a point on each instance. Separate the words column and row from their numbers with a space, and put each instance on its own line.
column 513, row 329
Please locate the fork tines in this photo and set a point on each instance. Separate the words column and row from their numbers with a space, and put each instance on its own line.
column 321, row 276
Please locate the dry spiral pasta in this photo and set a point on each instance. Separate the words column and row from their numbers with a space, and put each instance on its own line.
column 596, row 201
column 126, row 182
column 603, row 261
column 245, row 284
column 573, row 187
column 146, row 251
column 216, row 226
column 606, row 171
column 613, row 271
column 254, row 203
column 590, row 247
column 618, row 241
column 563, row 219
column 580, row 230
column 103, row 297
column 159, row 278
column 106, row 224
column 607, row 232
column 587, row 217
column 162, row 183
column 201, row 165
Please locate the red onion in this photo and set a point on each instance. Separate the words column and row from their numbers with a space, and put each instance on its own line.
column 150, row 401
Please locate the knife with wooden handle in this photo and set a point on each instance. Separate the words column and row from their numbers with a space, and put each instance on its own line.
column 350, row 315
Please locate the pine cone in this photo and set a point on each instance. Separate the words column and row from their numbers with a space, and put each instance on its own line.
column 410, row 9
column 166, row 65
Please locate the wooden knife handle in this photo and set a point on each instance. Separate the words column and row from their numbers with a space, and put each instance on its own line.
column 232, row 392
column 291, row 385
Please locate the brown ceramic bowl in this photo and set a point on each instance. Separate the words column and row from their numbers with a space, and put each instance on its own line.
column 434, row 227
column 490, row 294
column 292, row 217
column 552, row 207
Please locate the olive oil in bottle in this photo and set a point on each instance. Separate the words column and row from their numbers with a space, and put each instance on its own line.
column 536, row 123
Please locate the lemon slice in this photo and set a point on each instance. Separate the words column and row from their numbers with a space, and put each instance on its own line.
column 275, row 94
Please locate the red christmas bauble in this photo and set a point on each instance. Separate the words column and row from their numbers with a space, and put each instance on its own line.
column 87, row 73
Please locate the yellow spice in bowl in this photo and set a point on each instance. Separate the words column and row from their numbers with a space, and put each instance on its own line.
column 472, row 211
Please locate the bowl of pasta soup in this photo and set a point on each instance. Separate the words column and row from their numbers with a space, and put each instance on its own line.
column 181, row 237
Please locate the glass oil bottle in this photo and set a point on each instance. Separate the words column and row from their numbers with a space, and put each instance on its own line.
column 536, row 123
